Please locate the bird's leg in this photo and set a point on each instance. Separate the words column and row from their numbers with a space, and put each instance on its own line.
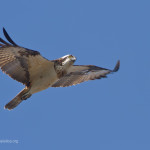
column 25, row 96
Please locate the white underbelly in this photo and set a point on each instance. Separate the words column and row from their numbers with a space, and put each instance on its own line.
column 42, row 74
column 42, row 83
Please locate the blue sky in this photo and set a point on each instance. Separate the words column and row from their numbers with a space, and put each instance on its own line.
column 111, row 113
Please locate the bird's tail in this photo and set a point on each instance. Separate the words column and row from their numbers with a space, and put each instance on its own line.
column 23, row 95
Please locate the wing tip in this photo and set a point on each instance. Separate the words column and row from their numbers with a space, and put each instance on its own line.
column 8, row 37
column 4, row 30
column 117, row 66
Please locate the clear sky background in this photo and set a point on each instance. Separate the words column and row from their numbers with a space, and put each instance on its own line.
column 106, row 114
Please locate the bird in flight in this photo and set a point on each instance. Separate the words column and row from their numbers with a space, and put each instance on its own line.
column 38, row 73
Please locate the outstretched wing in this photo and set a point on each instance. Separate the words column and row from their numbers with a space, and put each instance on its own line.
column 14, row 60
column 78, row 74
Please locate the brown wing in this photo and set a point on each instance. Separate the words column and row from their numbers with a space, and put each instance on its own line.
column 78, row 74
column 14, row 60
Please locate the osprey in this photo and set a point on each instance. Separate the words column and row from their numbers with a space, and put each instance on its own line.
column 37, row 73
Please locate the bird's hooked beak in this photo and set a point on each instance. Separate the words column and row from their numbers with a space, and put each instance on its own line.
column 72, row 58
column 68, row 59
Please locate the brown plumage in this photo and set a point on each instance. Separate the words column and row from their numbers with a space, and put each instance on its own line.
column 37, row 73
column 77, row 74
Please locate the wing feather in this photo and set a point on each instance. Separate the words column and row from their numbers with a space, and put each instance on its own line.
column 13, row 64
column 78, row 74
column 9, row 38
column 15, row 61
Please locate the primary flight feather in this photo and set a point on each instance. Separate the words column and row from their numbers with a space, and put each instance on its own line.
column 37, row 73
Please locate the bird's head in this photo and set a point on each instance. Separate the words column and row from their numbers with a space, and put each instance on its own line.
column 64, row 62
column 68, row 60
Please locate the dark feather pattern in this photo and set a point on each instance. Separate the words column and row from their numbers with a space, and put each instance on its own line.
column 78, row 74
column 14, row 66
column 8, row 38
column 4, row 42
column 14, row 59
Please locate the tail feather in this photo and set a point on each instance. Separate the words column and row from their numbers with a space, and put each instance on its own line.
column 13, row 103
column 23, row 95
